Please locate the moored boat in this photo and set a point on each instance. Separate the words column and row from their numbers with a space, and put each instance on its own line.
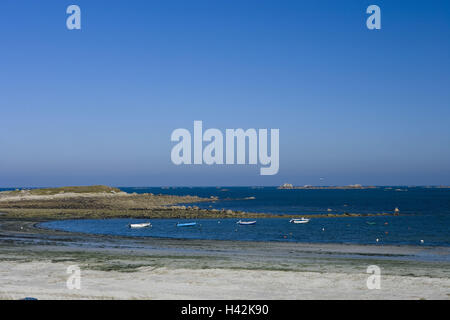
column 301, row 220
column 187, row 224
column 140, row 225
column 246, row 223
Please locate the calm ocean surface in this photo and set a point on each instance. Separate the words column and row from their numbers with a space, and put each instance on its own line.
column 425, row 215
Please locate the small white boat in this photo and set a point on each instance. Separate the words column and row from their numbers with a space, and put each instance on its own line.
column 246, row 223
column 140, row 225
column 301, row 220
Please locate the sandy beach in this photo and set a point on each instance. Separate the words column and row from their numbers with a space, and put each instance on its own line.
column 46, row 280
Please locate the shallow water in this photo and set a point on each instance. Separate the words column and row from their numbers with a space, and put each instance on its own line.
column 425, row 214
column 398, row 230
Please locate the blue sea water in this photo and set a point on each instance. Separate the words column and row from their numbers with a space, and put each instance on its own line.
column 425, row 215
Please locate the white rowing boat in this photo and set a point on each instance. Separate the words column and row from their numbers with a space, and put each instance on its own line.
column 246, row 223
column 301, row 220
column 140, row 225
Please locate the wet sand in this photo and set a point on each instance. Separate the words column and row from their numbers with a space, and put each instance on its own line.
column 33, row 262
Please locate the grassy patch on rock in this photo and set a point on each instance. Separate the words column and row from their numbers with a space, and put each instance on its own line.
column 78, row 189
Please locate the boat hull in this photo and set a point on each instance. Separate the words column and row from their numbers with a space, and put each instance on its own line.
column 299, row 221
column 189, row 224
column 246, row 223
column 139, row 225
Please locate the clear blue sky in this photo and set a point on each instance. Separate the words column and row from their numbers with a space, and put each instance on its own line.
column 97, row 106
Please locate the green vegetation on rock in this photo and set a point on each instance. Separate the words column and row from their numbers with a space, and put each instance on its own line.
column 80, row 189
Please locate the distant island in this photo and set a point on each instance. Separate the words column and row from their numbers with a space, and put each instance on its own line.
column 358, row 186
column 352, row 186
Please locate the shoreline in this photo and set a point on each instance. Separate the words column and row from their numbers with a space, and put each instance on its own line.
column 28, row 234
column 33, row 262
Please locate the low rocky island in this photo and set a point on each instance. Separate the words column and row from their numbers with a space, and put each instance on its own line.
column 100, row 202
